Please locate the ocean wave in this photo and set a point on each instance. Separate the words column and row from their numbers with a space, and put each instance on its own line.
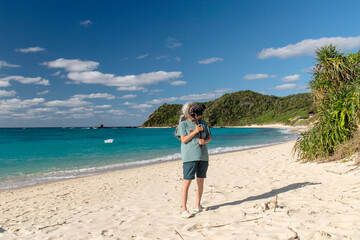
column 25, row 180
column 285, row 131
column 117, row 166
column 236, row 148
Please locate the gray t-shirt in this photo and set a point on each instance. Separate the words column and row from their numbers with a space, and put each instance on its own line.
column 192, row 151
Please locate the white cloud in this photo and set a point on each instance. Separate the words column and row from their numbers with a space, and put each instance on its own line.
column 196, row 97
column 42, row 93
column 162, row 100
column 210, row 60
column 41, row 110
column 223, row 90
column 178, row 83
column 4, row 82
column 4, row 93
column 81, row 115
column 156, row 91
column 5, row 113
column 142, row 56
column 128, row 103
column 25, row 116
column 30, row 49
column 56, row 74
column 5, row 64
column 72, row 102
column 85, row 23
column 162, row 57
column 288, row 86
column 309, row 70
column 129, row 82
column 63, row 112
column 117, row 112
column 127, row 96
column 78, row 108
column 205, row 96
column 94, row 95
column 15, row 103
column 141, row 106
column 131, row 88
column 81, row 109
column 172, row 43
column 81, row 72
column 291, row 78
column 193, row 97
column 309, row 46
column 72, row 65
column 258, row 76
column 103, row 106
column 27, row 80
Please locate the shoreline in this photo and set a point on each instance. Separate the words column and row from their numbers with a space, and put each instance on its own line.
column 259, row 193
column 63, row 175
column 270, row 125
column 135, row 165
column 296, row 128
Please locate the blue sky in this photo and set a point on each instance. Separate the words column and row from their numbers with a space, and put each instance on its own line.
column 86, row 63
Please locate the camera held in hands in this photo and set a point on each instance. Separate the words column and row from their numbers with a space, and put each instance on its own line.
column 197, row 111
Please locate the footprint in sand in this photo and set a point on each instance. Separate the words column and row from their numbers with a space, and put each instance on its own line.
column 195, row 227
column 319, row 235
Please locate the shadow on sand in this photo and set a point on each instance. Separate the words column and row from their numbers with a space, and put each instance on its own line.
column 272, row 193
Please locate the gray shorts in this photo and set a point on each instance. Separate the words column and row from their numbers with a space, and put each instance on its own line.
column 196, row 167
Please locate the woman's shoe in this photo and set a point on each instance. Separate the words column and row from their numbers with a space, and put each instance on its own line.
column 200, row 209
column 186, row 214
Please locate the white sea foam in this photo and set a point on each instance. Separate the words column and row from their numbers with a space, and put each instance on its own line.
column 285, row 131
column 38, row 178
column 238, row 148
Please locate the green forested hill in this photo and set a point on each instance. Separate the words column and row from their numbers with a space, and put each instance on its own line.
column 240, row 108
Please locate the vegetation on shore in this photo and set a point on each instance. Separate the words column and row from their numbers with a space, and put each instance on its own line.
column 336, row 92
column 335, row 97
column 241, row 108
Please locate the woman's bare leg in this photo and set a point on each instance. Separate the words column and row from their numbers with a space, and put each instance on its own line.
column 184, row 194
column 199, row 191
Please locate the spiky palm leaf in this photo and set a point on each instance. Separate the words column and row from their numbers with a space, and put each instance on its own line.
column 335, row 88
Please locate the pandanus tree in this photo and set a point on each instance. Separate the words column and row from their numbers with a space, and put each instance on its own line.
column 335, row 88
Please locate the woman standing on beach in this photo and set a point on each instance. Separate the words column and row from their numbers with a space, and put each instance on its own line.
column 194, row 154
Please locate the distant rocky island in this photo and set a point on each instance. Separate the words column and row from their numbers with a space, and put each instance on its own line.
column 241, row 108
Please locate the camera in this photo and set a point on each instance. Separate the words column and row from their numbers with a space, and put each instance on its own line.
column 197, row 111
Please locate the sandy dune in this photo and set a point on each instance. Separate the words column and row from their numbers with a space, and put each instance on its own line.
column 314, row 201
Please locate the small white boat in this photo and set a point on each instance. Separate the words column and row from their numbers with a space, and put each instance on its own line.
column 109, row 141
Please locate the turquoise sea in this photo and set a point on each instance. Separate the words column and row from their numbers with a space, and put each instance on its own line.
column 30, row 156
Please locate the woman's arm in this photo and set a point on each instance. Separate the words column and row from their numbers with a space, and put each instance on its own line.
column 186, row 138
column 205, row 141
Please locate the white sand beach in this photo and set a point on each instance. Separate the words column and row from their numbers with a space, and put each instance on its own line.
column 295, row 128
column 253, row 194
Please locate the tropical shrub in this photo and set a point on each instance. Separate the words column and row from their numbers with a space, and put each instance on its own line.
column 336, row 91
